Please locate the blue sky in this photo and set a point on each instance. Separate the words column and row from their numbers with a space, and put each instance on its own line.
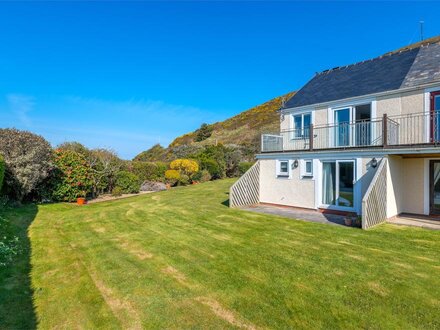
column 129, row 75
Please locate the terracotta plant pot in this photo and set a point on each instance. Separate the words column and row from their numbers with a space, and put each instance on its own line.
column 348, row 221
column 81, row 201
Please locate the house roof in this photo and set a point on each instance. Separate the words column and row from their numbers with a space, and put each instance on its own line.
column 407, row 68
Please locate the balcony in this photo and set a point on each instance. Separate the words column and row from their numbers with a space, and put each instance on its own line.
column 417, row 129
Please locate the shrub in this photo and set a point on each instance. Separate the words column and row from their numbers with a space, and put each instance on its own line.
column 117, row 191
column 212, row 167
column 127, row 182
column 202, row 176
column 244, row 166
column 172, row 176
column 149, row 171
column 2, row 171
column 72, row 176
column 185, row 166
column 28, row 160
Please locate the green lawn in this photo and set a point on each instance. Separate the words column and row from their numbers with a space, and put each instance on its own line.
column 183, row 259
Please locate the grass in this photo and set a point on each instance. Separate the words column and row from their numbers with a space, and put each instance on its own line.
column 183, row 259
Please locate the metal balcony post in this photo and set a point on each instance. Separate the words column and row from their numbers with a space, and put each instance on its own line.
column 385, row 130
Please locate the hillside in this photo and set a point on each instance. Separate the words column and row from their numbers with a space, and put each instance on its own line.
column 243, row 128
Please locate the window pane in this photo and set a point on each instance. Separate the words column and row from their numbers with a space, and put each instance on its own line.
column 308, row 167
column 297, row 120
column 342, row 121
column 346, row 176
column 307, row 122
column 283, row 167
column 329, row 183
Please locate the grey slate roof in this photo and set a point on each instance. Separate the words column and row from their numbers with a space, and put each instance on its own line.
column 389, row 72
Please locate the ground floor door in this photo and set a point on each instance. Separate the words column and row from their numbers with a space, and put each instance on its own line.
column 338, row 183
column 434, row 186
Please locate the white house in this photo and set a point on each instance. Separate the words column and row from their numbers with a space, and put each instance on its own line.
column 363, row 138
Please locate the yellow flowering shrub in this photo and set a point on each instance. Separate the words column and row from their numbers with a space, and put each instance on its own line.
column 185, row 166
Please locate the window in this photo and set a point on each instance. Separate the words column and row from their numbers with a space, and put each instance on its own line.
column 283, row 168
column 307, row 168
column 301, row 125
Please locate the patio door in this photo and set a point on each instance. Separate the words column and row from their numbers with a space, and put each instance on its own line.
column 434, row 186
column 435, row 116
column 338, row 183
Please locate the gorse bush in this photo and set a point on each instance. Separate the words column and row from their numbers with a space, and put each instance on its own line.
column 172, row 176
column 72, row 176
column 185, row 166
column 2, row 171
column 28, row 161
column 129, row 183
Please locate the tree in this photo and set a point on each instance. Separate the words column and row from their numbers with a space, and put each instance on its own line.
column 104, row 165
column 28, row 161
column 204, row 132
column 74, row 146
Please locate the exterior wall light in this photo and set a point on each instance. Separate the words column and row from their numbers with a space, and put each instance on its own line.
column 374, row 163
column 295, row 164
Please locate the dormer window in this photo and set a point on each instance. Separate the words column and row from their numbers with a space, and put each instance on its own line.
column 301, row 125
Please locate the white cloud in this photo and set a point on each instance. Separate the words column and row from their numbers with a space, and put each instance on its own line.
column 21, row 105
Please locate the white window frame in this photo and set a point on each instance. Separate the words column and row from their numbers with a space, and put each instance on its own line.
column 356, row 190
column 351, row 105
column 304, row 173
column 280, row 174
column 298, row 114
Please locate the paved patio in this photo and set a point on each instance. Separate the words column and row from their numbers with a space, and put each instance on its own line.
column 297, row 214
column 416, row 221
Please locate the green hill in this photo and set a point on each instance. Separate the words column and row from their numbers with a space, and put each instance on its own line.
column 244, row 128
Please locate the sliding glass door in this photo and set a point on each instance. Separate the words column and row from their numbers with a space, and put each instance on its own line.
column 338, row 183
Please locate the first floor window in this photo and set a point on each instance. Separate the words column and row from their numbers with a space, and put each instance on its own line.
column 301, row 125
column 283, row 168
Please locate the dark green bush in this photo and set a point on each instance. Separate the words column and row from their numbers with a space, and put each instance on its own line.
column 117, row 191
column 244, row 166
column 2, row 171
column 129, row 183
column 213, row 168
column 149, row 171
column 204, row 132
column 202, row 176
